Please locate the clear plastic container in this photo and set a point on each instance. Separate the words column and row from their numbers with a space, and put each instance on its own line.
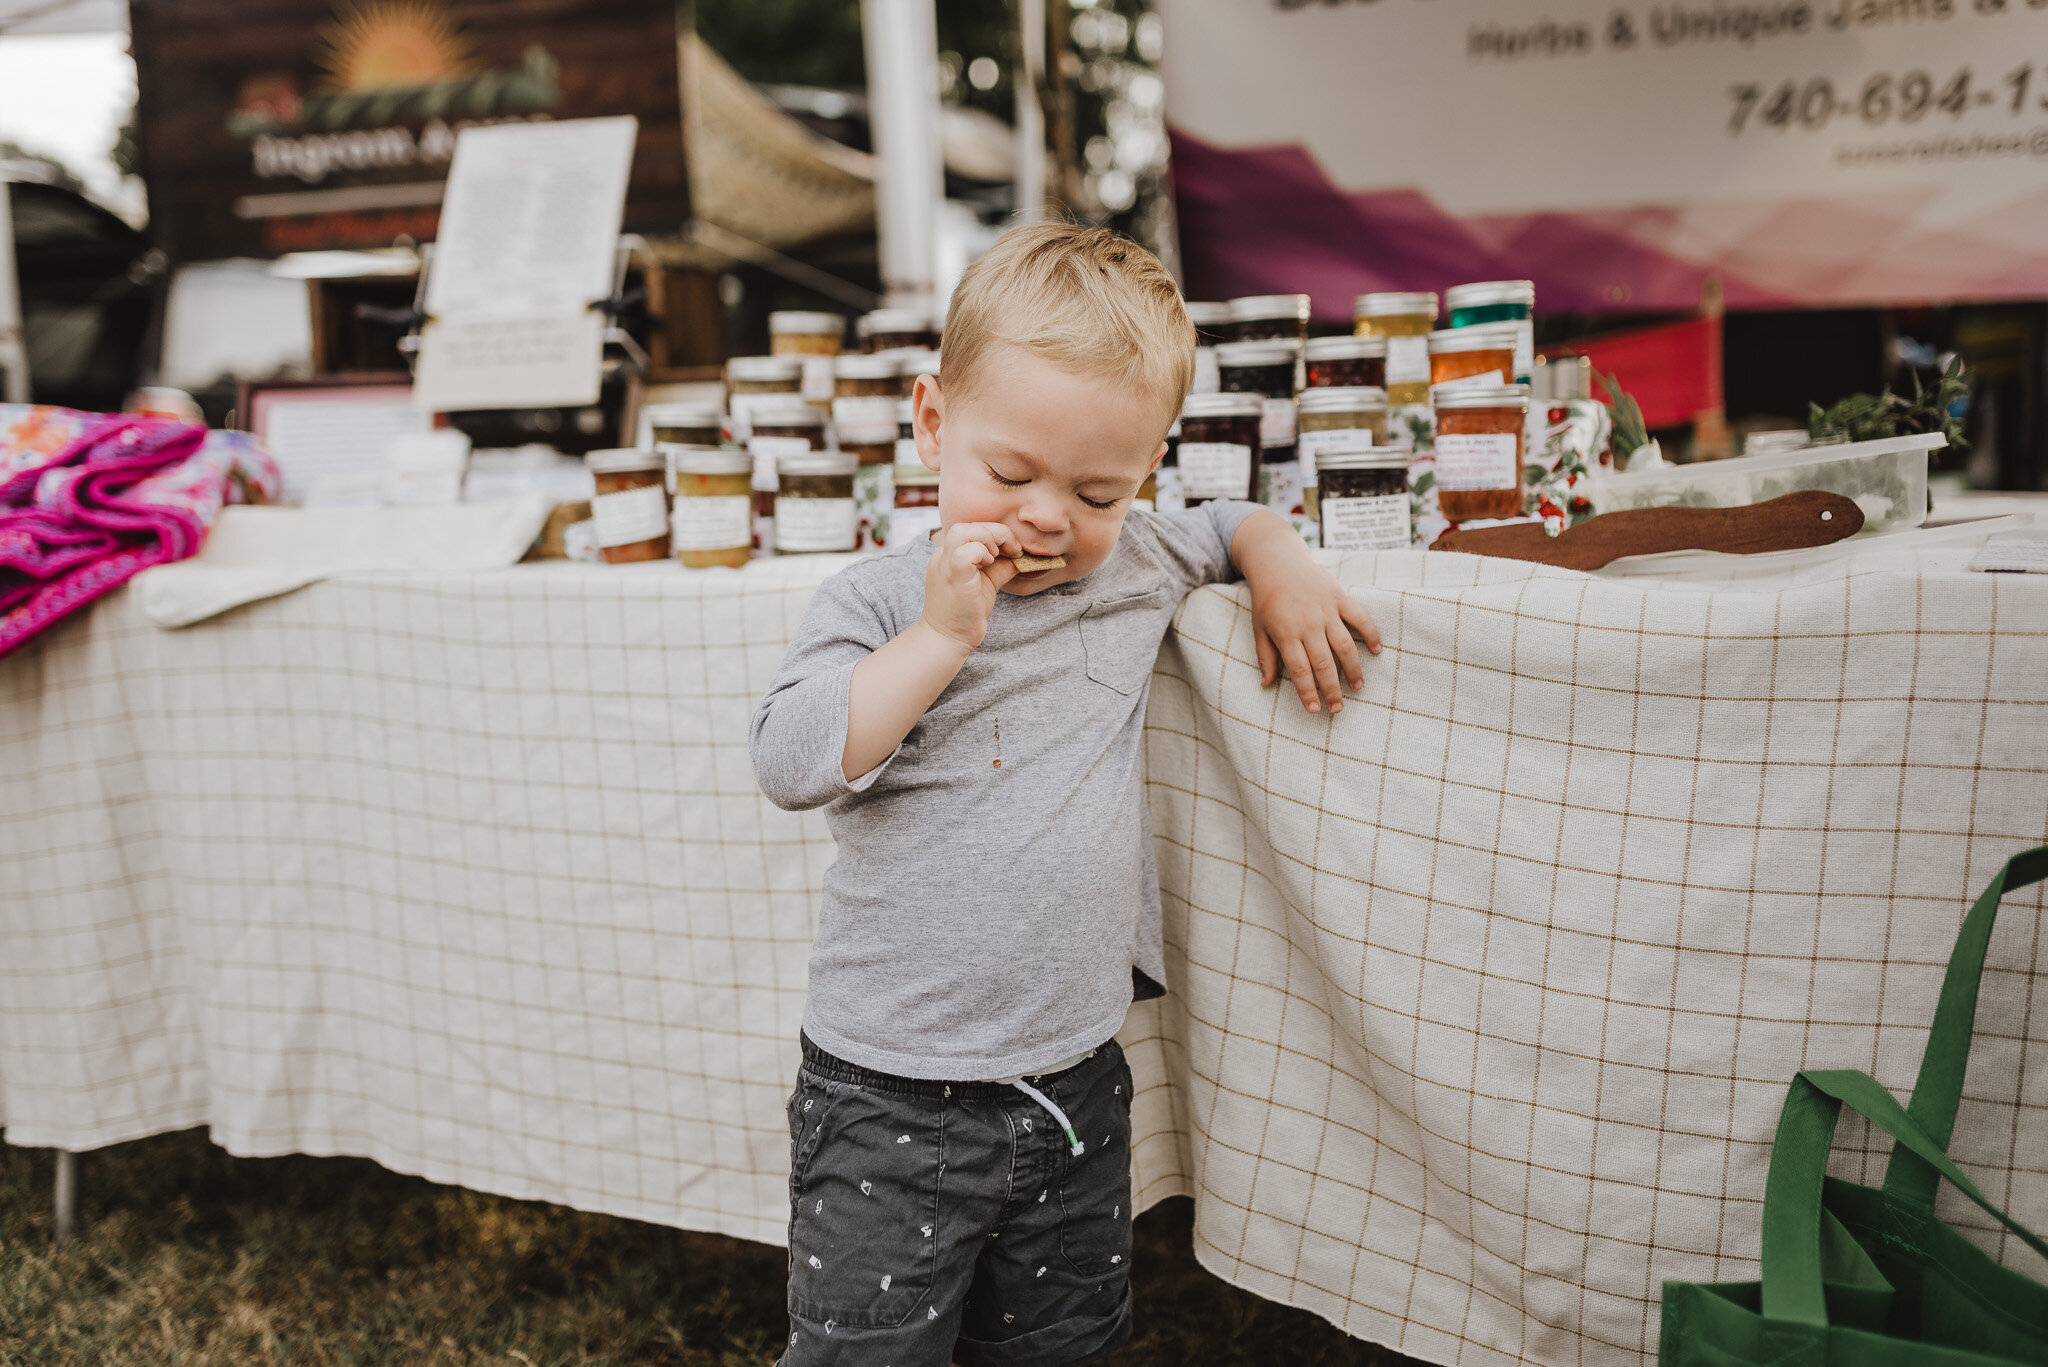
column 1887, row 479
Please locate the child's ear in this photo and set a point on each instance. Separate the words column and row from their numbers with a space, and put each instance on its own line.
column 1157, row 456
column 928, row 411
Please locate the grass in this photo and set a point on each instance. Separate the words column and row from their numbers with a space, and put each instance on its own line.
column 188, row 1255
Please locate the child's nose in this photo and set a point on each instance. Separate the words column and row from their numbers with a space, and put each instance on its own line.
column 1044, row 512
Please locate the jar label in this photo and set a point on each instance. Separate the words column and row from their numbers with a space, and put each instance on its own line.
column 1407, row 360
column 1280, row 485
column 767, row 450
column 1276, row 422
column 815, row 524
column 1215, row 469
column 865, row 420
column 1168, row 494
column 1478, row 460
column 1379, row 523
column 1486, row 377
column 630, row 515
column 912, row 524
column 1208, row 376
column 874, row 499
column 712, row 522
column 817, row 382
column 1332, row 439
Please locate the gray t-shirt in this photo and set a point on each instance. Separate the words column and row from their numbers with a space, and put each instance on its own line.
column 994, row 886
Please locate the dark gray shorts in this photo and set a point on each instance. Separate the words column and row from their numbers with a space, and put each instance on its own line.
column 935, row 1222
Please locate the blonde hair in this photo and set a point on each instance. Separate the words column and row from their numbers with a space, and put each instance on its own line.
column 1082, row 298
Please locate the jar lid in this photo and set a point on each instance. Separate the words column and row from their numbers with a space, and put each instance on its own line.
column 1207, row 313
column 1481, row 337
column 1445, row 396
column 1342, row 398
column 1351, row 348
column 710, row 460
column 754, row 369
column 818, row 463
column 1395, row 305
column 1222, row 406
column 623, row 460
column 794, row 320
column 919, row 475
column 1482, row 292
column 683, row 415
column 779, row 410
column 1363, row 458
column 1254, row 307
column 860, row 365
column 893, row 320
column 918, row 361
column 1266, row 351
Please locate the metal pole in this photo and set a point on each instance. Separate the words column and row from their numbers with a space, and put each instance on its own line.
column 1029, row 83
column 901, row 38
column 67, row 1195
column 13, row 350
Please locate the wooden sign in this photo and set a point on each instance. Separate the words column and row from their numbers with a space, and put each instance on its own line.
column 269, row 126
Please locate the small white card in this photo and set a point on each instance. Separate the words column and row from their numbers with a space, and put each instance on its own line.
column 510, row 362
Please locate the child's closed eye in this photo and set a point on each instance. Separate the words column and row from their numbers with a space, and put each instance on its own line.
column 1004, row 480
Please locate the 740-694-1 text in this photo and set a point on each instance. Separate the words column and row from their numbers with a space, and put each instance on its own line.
column 1907, row 97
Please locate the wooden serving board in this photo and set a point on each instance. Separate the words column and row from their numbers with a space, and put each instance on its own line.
column 1792, row 522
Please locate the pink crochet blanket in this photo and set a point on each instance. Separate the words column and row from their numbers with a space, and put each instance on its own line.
column 88, row 500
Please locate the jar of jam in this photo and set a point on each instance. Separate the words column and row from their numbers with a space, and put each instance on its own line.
column 1268, row 369
column 914, row 364
column 1260, row 317
column 1337, row 420
column 1475, row 355
column 814, row 509
column 897, row 330
column 814, row 339
column 1364, row 498
column 1479, row 434
column 916, row 513
column 1212, row 322
column 629, row 512
column 750, row 379
column 866, row 390
column 713, row 521
column 1405, row 320
column 1219, row 450
column 1499, row 302
column 1348, row 361
column 784, row 428
column 681, row 424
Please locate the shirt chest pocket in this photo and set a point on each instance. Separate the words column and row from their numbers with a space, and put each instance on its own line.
column 1121, row 639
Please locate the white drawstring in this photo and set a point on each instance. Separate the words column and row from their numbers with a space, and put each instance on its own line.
column 1057, row 1114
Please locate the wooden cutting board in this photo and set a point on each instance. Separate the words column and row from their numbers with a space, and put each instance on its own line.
column 1792, row 522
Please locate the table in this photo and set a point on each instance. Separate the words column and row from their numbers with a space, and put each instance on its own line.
column 1485, row 993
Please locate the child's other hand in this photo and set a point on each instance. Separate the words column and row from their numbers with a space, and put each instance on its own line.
column 1303, row 620
column 969, row 567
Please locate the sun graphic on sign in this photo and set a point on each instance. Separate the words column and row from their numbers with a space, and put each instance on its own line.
column 391, row 44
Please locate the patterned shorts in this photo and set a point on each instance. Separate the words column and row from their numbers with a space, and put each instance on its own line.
column 935, row 1222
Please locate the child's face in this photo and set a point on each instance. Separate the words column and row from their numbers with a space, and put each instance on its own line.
column 1054, row 456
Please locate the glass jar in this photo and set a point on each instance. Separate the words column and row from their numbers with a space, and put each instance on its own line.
column 1346, row 362
column 681, row 424
column 916, row 513
column 814, row 508
column 1364, row 499
column 1474, row 355
column 866, row 390
column 1499, row 301
column 1260, row 317
column 629, row 512
column 897, row 330
column 1405, row 320
column 1333, row 420
column 784, row 428
column 1268, row 369
column 914, row 364
column 751, row 379
column 713, row 520
column 815, row 339
column 1212, row 322
column 1219, row 451
column 1479, row 430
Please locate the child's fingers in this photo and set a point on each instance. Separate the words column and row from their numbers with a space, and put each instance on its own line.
column 1269, row 658
column 1346, row 651
column 1325, row 669
column 1301, row 672
column 1359, row 621
column 997, row 537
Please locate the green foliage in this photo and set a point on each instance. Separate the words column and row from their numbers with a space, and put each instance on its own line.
column 1871, row 417
column 1629, row 432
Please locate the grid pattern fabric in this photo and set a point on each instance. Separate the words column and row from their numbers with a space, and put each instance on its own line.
column 1485, row 992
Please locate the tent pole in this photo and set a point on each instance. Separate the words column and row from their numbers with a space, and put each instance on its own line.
column 13, row 349
column 902, row 46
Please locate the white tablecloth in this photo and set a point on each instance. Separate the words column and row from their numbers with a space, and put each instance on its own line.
column 1485, row 993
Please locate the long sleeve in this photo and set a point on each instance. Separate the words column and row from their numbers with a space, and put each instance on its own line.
column 1196, row 543
column 798, row 736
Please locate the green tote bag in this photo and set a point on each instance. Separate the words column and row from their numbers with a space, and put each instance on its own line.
column 1857, row 1275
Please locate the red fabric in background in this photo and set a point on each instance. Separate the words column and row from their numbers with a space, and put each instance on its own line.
column 1673, row 370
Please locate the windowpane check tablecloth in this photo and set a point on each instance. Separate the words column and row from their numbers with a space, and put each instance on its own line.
column 1485, row 993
